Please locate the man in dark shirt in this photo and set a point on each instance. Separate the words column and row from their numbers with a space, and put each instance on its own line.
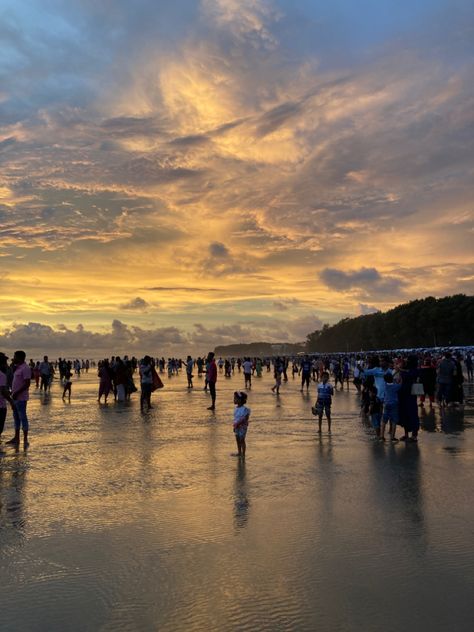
column 212, row 378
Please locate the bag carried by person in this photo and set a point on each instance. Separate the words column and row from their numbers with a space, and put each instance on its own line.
column 157, row 383
column 417, row 389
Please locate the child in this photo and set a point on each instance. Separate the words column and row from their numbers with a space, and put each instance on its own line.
column 241, row 421
column 390, row 410
column 375, row 410
column 67, row 382
column 323, row 402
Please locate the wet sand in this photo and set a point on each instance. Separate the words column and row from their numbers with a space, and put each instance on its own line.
column 115, row 520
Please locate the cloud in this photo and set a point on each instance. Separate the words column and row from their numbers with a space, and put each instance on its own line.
column 135, row 304
column 285, row 304
column 368, row 281
column 231, row 139
column 37, row 338
column 222, row 263
column 218, row 250
column 364, row 309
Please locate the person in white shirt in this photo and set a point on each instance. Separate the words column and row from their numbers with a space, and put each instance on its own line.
column 247, row 367
column 241, row 422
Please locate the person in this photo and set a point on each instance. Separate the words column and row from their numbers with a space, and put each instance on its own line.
column 323, row 401
column 20, row 395
column 189, row 370
column 45, row 374
column 346, row 369
column 105, row 377
column 247, row 366
column 378, row 370
column 445, row 379
column 469, row 366
column 4, row 392
column 212, row 378
column 357, row 381
column 390, row 409
column 146, row 383
column 428, row 379
column 120, row 375
column 278, row 372
column 241, row 421
column 337, row 372
column 408, row 406
column 375, row 410
column 458, row 390
column 305, row 373
column 67, row 382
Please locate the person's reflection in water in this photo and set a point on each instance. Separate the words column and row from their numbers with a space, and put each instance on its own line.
column 428, row 420
column 241, row 496
column 398, row 483
column 452, row 420
column 12, row 493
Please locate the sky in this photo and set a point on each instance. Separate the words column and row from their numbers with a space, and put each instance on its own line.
column 176, row 175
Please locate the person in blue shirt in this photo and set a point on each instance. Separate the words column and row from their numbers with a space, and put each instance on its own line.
column 378, row 373
column 323, row 402
column 390, row 409
column 305, row 373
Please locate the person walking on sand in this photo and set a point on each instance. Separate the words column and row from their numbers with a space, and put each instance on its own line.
column 212, row 378
column 278, row 372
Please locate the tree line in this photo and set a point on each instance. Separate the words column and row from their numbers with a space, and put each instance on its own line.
column 427, row 322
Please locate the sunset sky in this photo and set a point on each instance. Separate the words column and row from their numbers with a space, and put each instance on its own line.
column 180, row 174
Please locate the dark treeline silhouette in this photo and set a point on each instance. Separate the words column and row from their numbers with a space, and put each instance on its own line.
column 428, row 322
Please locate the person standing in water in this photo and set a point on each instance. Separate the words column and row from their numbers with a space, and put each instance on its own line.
column 189, row 371
column 20, row 396
column 4, row 392
column 241, row 422
column 212, row 378
column 146, row 383
column 323, row 402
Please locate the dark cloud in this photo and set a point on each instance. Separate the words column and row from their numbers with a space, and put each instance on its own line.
column 135, row 304
column 218, row 250
column 276, row 117
column 367, row 281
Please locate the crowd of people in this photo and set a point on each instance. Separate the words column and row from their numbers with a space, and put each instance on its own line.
column 391, row 386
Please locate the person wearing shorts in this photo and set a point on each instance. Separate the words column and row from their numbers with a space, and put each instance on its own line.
column 323, row 402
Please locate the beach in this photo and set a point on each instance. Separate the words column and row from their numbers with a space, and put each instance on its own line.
column 117, row 520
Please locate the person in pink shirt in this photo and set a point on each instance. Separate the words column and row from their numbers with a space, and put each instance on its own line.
column 20, row 395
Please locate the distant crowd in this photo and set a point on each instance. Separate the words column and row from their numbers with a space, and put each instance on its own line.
column 391, row 386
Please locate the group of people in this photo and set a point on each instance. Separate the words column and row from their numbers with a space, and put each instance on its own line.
column 391, row 388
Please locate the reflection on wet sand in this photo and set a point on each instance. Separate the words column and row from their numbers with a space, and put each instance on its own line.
column 241, row 496
column 144, row 522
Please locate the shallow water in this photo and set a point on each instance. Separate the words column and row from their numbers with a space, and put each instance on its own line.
column 115, row 520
